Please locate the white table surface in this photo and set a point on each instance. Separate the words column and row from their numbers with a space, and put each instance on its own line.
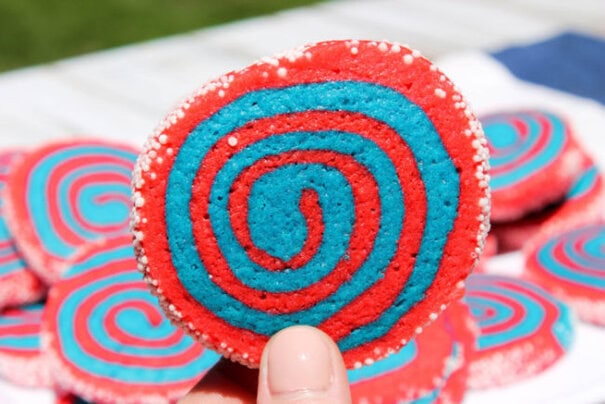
column 123, row 93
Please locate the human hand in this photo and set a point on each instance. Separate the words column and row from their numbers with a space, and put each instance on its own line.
column 300, row 364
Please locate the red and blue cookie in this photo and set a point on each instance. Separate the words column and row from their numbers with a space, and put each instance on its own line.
column 63, row 195
column 21, row 360
column 534, row 160
column 522, row 330
column 582, row 203
column 107, row 339
column 587, row 187
column 18, row 284
column 452, row 388
column 571, row 264
column 422, row 369
column 461, row 324
column 340, row 185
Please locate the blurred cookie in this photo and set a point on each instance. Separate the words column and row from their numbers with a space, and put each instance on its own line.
column 21, row 359
column 522, row 330
column 18, row 284
column 108, row 340
column 534, row 160
column 571, row 264
column 64, row 195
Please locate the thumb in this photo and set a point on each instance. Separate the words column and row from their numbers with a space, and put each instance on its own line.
column 302, row 365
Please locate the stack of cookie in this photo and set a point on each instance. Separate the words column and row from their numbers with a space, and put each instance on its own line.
column 547, row 206
column 77, row 317
column 343, row 185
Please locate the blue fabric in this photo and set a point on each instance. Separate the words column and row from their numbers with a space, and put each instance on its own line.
column 570, row 62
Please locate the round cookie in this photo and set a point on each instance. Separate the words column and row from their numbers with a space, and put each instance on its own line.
column 522, row 330
column 340, row 185
column 63, row 195
column 21, row 360
column 420, row 371
column 571, row 264
column 18, row 284
column 534, row 160
column 108, row 340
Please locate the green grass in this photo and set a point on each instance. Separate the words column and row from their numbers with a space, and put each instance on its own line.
column 37, row 31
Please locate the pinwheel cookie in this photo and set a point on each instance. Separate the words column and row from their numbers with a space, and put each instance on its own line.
column 340, row 185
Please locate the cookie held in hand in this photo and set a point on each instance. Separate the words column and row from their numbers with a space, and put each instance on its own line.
column 340, row 185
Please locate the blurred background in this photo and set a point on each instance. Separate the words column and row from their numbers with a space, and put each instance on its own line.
column 34, row 31
column 114, row 68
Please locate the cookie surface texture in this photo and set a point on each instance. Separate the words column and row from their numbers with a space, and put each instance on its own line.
column 571, row 264
column 522, row 329
column 64, row 195
column 107, row 338
column 534, row 160
column 18, row 284
column 340, row 185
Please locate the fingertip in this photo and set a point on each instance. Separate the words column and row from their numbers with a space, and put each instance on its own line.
column 302, row 364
